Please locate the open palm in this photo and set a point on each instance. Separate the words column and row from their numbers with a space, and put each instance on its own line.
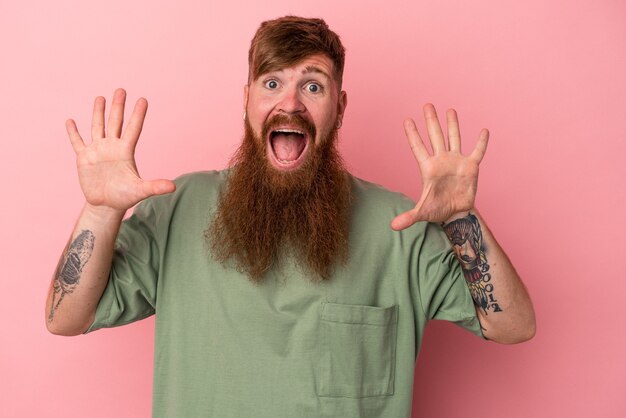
column 449, row 178
column 107, row 171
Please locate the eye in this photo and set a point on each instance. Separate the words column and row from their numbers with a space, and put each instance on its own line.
column 313, row 88
column 271, row 84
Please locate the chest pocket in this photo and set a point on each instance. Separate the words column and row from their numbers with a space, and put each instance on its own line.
column 358, row 350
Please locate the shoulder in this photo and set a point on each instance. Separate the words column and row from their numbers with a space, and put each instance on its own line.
column 199, row 183
column 204, row 180
column 374, row 197
column 373, row 209
column 195, row 189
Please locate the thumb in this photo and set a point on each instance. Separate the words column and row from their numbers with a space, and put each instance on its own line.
column 405, row 220
column 157, row 187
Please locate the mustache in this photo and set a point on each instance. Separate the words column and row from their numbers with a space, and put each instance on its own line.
column 294, row 121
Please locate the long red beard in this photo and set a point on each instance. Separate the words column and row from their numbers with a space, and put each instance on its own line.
column 265, row 214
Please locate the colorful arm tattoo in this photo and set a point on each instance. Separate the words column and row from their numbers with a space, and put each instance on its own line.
column 467, row 240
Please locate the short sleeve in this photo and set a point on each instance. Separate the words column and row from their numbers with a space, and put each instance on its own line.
column 443, row 292
column 130, row 294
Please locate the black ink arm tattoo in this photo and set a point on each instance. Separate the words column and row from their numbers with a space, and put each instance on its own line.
column 70, row 267
column 466, row 237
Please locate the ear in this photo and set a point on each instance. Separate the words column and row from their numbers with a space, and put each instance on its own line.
column 246, row 87
column 342, row 103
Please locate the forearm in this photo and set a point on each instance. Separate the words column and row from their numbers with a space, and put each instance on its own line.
column 83, row 270
column 502, row 302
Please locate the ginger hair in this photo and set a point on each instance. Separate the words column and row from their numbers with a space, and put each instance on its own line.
column 283, row 42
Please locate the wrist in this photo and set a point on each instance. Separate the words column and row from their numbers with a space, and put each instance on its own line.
column 103, row 213
column 459, row 215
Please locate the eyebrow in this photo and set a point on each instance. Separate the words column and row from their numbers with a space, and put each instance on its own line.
column 314, row 69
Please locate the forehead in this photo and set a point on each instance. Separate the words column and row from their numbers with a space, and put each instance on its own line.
column 315, row 64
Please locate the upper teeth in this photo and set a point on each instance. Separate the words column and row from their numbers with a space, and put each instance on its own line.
column 294, row 131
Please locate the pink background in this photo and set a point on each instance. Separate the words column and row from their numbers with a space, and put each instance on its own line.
column 547, row 78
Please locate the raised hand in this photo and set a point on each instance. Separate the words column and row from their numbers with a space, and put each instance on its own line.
column 449, row 178
column 106, row 167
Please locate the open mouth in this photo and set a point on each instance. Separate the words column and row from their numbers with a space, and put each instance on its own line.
column 288, row 147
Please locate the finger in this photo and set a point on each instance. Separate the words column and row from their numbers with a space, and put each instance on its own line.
column 72, row 131
column 157, row 187
column 434, row 129
column 415, row 140
column 454, row 134
column 116, row 116
column 404, row 220
column 135, row 125
column 481, row 146
column 97, row 119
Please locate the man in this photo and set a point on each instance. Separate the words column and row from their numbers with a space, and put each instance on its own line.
column 278, row 286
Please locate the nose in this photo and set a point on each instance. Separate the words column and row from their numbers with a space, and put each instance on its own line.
column 291, row 102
